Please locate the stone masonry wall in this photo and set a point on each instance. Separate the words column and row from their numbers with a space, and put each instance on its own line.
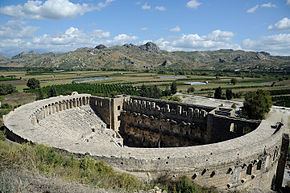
column 246, row 161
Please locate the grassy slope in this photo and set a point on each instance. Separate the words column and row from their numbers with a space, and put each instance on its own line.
column 48, row 161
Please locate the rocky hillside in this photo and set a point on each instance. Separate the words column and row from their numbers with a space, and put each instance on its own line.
column 147, row 56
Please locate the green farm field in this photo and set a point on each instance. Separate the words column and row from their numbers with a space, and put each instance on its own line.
column 271, row 82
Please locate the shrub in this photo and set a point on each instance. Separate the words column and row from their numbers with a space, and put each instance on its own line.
column 234, row 81
column 190, row 89
column 175, row 98
column 185, row 185
column 218, row 93
column 33, row 83
column 257, row 104
column 173, row 87
column 7, row 89
column 229, row 94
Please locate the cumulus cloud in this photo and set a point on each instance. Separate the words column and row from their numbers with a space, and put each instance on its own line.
column 16, row 29
column 217, row 39
column 193, row 4
column 264, row 5
column 175, row 29
column 123, row 38
column 101, row 34
column 275, row 44
column 70, row 39
column 146, row 6
column 281, row 24
column 160, row 8
column 51, row 9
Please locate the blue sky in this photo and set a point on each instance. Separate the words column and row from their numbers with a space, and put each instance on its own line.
column 64, row 25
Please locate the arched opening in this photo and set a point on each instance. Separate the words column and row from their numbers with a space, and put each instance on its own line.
column 249, row 169
column 232, row 127
column 259, row 165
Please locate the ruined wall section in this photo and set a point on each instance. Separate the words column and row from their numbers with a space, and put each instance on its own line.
column 224, row 127
column 158, row 123
column 102, row 108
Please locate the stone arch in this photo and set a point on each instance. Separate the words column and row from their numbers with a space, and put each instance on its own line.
column 53, row 108
column 45, row 111
column 56, row 107
column 74, row 102
column 49, row 109
column 70, row 104
column 60, row 106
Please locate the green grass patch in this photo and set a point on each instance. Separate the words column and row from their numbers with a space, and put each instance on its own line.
column 52, row 162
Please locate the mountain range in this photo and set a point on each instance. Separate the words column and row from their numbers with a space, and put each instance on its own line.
column 147, row 57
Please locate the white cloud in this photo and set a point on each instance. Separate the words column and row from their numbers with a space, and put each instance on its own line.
column 124, row 38
column 258, row 6
column 193, row 4
column 101, row 34
column 253, row 9
column 288, row 2
column 16, row 29
column 275, row 44
column 146, row 6
column 175, row 29
column 160, row 8
column 144, row 28
column 102, row 5
column 217, row 39
column 268, row 5
column 218, row 35
column 51, row 9
column 281, row 24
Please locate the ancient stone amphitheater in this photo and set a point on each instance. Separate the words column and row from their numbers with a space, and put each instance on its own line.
column 151, row 138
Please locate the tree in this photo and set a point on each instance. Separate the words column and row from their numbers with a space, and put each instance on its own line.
column 33, row 83
column 229, row 94
column 218, row 93
column 52, row 92
column 173, row 87
column 190, row 89
column 234, row 81
column 257, row 104
column 7, row 89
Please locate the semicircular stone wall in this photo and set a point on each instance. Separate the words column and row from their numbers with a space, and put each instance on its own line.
column 217, row 149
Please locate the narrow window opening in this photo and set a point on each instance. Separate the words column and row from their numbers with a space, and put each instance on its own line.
column 249, row 170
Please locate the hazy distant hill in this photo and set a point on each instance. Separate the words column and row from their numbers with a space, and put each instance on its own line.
column 147, row 56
